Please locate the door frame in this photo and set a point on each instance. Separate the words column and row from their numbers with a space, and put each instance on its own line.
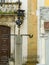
column 12, row 28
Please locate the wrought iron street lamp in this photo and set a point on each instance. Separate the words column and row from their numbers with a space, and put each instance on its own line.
column 20, row 15
column 20, row 18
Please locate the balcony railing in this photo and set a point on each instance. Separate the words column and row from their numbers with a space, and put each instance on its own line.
column 8, row 8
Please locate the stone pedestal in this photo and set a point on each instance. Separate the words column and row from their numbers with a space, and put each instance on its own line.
column 18, row 50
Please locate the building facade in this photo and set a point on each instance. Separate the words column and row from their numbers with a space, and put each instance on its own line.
column 34, row 50
column 43, row 33
column 8, row 24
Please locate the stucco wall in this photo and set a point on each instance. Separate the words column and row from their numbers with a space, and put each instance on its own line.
column 46, row 3
column 32, row 28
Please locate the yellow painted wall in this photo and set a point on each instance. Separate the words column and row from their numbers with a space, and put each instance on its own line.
column 32, row 28
column 46, row 2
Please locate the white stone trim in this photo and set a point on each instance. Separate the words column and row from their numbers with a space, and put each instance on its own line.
column 40, row 3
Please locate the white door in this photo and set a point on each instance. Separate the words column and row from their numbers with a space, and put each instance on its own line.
column 47, row 48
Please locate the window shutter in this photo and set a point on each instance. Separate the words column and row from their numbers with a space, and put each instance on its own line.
column 46, row 25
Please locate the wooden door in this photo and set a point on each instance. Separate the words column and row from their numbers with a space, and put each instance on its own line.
column 4, row 45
